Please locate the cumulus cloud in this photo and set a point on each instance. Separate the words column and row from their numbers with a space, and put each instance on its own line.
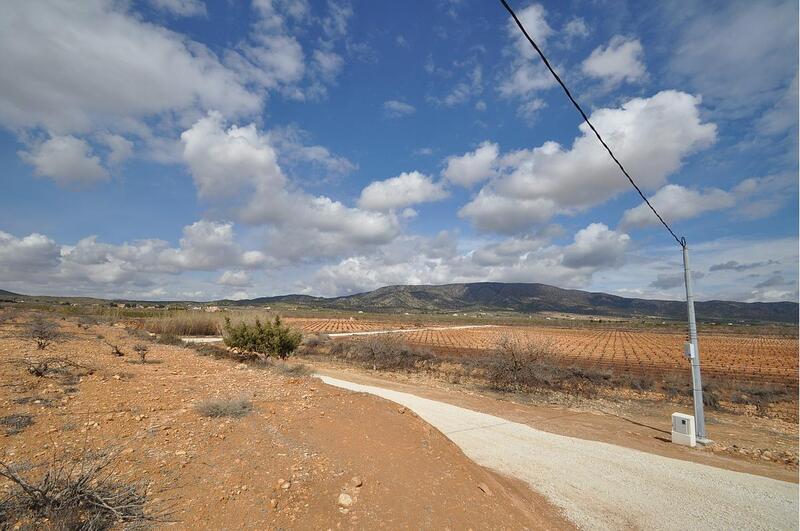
column 675, row 203
column 617, row 62
column 222, row 162
column 240, row 165
column 29, row 255
column 409, row 188
column 65, row 159
column 472, row 167
column 596, row 246
column 526, row 75
column 651, row 135
column 438, row 260
column 397, row 109
column 235, row 278
column 36, row 260
column 71, row 66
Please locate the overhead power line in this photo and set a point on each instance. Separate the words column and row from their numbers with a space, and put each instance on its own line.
column 681, row 241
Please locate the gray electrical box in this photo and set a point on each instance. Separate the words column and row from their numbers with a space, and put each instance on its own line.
column 688, row 350
column 683, row 430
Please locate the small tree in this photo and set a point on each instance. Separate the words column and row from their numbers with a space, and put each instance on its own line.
column 141, row 350
column 270, row 338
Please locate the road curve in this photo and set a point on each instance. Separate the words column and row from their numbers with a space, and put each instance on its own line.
column 604, row 486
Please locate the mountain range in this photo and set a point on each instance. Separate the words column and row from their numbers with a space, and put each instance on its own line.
column 530, row 298
column 499, row 296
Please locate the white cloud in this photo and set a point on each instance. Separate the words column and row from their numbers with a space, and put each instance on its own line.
column 120, row 147
column 761, row 197
column 739, row 56
column 66, row 160
column 596, row 246
column 533, row 20
column 235, row 278
column 619, row 61
column 651, row 136
column 223, row 162
column 291, row 144
column 654, row 271
column 30, row 255
column 409, row 188
column 438, row 260
column 97, row 267
column 472, row 167
column 675, row 203
column 782, row 116
column 463, row 91
column 181, row 8
column 397, row 109
column 526, row 75
column 71, row 66
column 240, row 166
column 575, row 29
column 491, row 212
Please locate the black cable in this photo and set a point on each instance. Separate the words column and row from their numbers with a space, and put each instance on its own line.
column 681, row 241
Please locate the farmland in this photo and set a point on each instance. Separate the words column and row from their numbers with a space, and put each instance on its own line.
column 756, row 357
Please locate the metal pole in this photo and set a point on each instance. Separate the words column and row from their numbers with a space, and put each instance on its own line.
column 697, row 384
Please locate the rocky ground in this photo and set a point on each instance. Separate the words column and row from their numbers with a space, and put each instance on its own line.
column 306, row 455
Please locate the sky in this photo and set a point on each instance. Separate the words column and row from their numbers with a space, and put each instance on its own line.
column 181, row 149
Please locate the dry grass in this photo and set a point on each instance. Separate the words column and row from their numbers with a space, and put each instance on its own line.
column 196, row 323
column 221, row 407
column 185, row 324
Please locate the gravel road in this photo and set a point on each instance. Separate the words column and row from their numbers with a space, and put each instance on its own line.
column 604, row 486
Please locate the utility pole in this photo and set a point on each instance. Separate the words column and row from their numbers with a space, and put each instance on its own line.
column 693, row 350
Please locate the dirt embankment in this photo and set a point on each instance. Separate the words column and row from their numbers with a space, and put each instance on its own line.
column 306, row 455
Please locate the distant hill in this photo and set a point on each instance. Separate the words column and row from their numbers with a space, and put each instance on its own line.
column 494, row 297
column 529, row 298
column 8, row 295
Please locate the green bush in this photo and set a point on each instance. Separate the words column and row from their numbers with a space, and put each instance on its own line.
column 270, row 339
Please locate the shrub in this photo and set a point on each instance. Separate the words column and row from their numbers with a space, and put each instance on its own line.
column 15, row 423
column 224, row 407
column 517, row 365
column 43, row 333
column 382, row 353
column 270, row 339
column 170, row 339
column 141, row 350
column 115, row 350
column 80, row 494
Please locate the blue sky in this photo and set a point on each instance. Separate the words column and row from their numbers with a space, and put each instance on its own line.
column 187, row 149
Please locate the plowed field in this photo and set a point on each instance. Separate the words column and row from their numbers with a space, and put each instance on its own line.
column 772, row 359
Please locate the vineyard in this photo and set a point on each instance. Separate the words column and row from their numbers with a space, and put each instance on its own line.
column 334, row 326
column 757, row 358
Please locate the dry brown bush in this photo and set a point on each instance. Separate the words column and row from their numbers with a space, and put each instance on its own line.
column 220, row 407
column 382, row 353
column 80, row 494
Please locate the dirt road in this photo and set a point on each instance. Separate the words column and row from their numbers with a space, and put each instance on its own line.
column 603, row 486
